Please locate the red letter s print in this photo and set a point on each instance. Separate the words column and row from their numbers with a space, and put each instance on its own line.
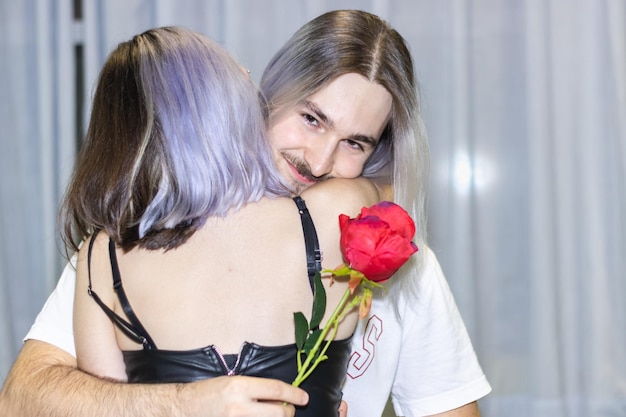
column 361, row 358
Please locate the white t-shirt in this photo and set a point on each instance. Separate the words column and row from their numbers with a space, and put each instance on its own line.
column 424, row 359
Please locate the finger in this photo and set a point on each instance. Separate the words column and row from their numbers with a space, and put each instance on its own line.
column 271, row 409
column 343, row 409
column 266, row 389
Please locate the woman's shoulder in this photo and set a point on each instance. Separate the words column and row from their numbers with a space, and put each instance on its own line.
column 331, row 198
column 93, row 254
column 342, row 194
column 98, row 241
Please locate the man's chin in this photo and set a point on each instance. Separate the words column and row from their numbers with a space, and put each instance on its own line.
column 299, row 188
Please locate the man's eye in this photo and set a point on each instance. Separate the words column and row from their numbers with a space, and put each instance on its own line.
column 310, row 119
column 354, row 145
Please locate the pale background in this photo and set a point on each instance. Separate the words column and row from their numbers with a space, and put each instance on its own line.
column 525, row 103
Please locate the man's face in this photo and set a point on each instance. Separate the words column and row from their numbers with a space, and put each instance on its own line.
column 332, row 133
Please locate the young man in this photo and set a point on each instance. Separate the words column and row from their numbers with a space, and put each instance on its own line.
column 323, row 91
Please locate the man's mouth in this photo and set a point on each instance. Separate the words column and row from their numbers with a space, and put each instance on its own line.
column 300, row 171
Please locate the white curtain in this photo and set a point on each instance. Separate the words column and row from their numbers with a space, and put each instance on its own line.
column 525, row 104
column 37, row 149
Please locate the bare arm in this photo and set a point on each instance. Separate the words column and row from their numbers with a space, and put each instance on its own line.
column 44, row 382
column 468, row 410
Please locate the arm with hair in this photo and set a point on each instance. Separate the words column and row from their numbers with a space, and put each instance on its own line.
column 44, row 382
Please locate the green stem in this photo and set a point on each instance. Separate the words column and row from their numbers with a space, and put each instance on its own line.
column 332, row 323
column 320, row 357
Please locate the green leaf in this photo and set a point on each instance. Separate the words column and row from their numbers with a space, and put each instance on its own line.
column 319, row 302
column 302, row 329
column 310, row 341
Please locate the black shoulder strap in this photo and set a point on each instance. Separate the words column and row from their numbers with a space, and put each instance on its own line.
column 313, row 253
column 134, row 330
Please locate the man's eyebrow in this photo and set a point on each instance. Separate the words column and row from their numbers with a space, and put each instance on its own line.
column 313, row 108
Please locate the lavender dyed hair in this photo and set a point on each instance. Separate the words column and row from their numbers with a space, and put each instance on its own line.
column 176, row 135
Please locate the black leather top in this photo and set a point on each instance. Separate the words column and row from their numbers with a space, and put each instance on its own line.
column 279, row 362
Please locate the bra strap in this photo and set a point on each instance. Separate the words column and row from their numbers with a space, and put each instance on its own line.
column 131, row 331
column 121, row 295
column 313, row 252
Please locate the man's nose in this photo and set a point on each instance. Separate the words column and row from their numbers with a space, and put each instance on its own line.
column 320, row 157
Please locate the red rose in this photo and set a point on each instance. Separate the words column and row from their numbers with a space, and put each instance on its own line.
column 378, row 241
column 375, row 245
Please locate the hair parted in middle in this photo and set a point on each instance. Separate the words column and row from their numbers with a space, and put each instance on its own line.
column 176, row 135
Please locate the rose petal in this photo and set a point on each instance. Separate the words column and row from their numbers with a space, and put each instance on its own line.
column 397, row 218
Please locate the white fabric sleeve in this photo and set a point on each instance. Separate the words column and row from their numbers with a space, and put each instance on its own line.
column 54, row 322
column 438, row 369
